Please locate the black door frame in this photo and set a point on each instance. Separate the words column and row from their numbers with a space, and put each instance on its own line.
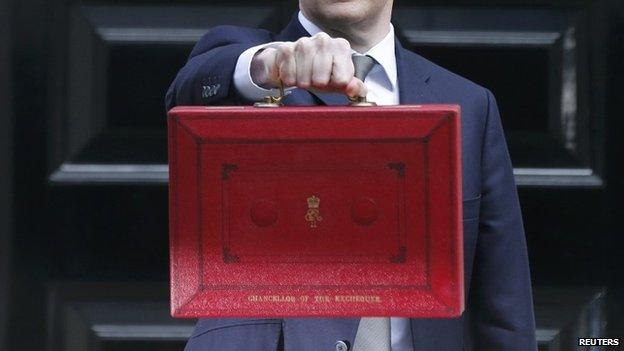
column 6, row 150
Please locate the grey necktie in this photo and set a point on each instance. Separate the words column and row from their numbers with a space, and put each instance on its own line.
column 373, row 334
column 363, row 65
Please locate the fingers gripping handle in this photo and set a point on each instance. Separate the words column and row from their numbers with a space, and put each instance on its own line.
column 362, row 65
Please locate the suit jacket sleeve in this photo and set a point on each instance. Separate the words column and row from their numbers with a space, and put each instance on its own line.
column 207, row 76
column 501, row 300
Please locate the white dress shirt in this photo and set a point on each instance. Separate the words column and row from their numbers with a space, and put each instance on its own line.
column 382, row 89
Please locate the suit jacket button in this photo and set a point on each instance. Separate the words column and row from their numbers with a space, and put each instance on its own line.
column 342, row 345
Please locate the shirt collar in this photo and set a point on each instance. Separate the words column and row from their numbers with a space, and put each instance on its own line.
column 383, row 52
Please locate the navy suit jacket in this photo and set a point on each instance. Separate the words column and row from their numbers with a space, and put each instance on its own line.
column 499, row 302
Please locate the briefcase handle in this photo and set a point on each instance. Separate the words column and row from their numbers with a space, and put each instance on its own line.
column 276, row 101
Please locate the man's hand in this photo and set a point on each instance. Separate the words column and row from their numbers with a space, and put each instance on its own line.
column 317, row 63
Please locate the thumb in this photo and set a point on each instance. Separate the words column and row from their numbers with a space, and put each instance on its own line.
column 355, row 88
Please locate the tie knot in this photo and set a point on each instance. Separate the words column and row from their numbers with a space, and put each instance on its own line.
column 362, row 65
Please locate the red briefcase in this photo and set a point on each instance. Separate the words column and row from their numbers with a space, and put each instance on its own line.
column 315, row 211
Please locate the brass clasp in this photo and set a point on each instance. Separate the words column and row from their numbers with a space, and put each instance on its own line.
column 360, row 101
column 272, row 101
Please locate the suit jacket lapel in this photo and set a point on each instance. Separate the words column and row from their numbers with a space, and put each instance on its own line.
column 413, row 78
column 293, row 31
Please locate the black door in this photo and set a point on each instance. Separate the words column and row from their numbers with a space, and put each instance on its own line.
column 86, row 234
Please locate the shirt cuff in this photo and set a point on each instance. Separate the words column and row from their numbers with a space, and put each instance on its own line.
column 242, row 76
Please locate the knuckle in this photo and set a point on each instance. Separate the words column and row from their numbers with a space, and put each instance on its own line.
column 322, row 39
column 322, row 35
column 342, row 44
column 285, row 51
column 288, row 49
column 302, row 44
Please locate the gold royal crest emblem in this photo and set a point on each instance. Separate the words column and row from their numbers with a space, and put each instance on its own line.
column 314, row 215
